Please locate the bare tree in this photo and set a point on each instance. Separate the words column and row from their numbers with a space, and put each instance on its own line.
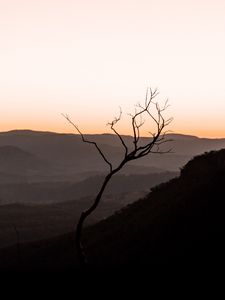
column 139, row 150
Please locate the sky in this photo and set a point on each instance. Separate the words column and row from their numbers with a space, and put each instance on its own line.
column 85, row 58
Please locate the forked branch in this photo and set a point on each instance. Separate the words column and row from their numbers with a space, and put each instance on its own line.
column 89, row 142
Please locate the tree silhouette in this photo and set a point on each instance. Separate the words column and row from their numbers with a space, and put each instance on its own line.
column 138, row 150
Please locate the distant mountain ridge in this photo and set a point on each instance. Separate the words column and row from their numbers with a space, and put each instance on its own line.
column 68, row 152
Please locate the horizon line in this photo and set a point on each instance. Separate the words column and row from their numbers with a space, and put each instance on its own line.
column 104, row 133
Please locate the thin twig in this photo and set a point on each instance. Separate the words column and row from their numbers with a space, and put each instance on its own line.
column 89, row 142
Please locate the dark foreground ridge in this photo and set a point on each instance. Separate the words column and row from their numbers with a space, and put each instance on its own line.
column 179, row 222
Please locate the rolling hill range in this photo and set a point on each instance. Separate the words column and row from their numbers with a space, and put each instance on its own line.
column 179, row 222
column 68, row 157
column 42, row 210
column 61, row 192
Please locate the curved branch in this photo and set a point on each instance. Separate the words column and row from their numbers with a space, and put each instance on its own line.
column 112, row 124
column 89, row 142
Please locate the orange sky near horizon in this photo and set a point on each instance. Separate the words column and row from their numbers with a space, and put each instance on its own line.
column 86, row 58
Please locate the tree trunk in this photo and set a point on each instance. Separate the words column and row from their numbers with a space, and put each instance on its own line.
column 78, row 242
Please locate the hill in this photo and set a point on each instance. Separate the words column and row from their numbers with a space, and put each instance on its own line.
column 42, row 210
column 16, row 160
column 68, row 156
column 178, row 222
column 61, row 192
column 181, row 221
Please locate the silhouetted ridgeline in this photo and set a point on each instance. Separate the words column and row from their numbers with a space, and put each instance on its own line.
column 181, row 221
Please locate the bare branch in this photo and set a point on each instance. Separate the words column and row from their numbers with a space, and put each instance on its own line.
column 150, row 95
column 89, row 142
column 161, row 123
column 112, row 124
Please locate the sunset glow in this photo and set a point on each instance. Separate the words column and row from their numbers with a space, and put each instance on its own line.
column 86, row 58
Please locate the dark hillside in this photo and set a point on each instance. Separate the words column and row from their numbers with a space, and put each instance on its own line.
column 182, row 221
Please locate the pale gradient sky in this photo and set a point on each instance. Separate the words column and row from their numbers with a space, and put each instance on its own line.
column 88, row 57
